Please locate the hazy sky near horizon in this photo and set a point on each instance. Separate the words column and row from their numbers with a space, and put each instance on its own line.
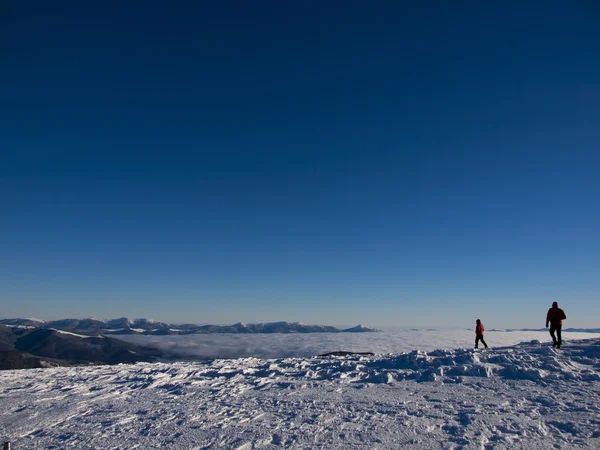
column 333, row 162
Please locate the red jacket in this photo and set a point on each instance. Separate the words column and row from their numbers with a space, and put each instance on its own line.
column 555, row 316
column 479, row 329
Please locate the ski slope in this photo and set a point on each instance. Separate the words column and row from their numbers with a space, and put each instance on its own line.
column 527, row 396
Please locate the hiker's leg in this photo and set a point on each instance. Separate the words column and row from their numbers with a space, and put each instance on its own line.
column 552, row 330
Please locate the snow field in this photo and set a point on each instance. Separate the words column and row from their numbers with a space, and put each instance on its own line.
column 527, row 396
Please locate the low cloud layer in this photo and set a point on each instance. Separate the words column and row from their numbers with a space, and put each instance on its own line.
column 211, row 346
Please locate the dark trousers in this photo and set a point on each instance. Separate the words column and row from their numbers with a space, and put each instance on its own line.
column 478, row 338
column 557, row 329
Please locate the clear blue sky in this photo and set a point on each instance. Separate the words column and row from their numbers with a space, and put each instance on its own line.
column 337, row 162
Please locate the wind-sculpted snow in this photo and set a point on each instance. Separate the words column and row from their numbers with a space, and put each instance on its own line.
column 524, row 397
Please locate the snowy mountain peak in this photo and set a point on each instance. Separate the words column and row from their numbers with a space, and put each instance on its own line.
column 121, row 322
column 144, row 320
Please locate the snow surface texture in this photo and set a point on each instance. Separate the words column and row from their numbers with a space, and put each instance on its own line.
column 210, row 346
column 524, row 397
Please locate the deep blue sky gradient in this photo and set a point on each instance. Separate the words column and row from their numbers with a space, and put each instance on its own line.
column 327, row 162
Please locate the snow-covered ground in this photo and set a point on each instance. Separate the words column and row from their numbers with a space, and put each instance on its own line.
column 527, row 396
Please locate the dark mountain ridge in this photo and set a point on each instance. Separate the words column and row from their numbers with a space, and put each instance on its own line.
column 43, row 347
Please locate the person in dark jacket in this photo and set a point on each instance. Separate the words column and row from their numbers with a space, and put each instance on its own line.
column 479, row 329
column 555, row 317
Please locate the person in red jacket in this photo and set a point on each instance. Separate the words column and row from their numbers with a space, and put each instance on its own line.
column 479, row 329
column 555, row 317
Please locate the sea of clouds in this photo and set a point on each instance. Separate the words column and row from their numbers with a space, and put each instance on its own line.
column 211, row 346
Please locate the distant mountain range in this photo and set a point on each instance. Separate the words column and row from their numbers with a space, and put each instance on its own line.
column 34, row 343
column 148, row 326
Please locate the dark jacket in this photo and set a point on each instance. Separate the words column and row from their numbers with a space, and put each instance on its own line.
column 555, row 315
